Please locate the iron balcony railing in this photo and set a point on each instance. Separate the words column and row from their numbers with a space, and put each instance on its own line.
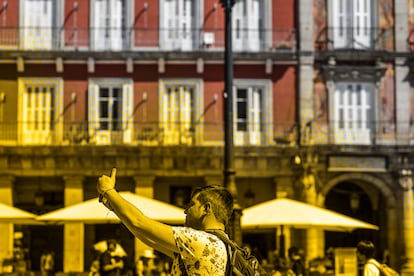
column 141, row 39
column 205, row 133
column 355, row 38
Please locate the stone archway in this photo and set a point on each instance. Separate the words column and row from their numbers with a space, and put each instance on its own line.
column 368, row 182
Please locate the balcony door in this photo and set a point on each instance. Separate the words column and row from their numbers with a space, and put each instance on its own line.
column 247, row 25
column 40, row 107
column 178, row 115
column 110, row 111
column 109, row 28
column 352, row 23
column 353, row 113
column 177, row 24
column 38, row 24
column 180, row 112
column 252, row 113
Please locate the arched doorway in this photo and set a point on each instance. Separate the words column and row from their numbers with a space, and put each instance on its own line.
column 361, row 201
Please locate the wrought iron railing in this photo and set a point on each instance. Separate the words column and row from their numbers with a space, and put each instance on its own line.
column 138, row 39
column 355, row 38
column 205, row 133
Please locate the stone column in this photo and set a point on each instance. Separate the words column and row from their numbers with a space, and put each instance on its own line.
column 144, row 186
column 74, row 233
column 6, row 229
column 406, row 182
column 314, row 248
column 306, row 60
column 402, row 100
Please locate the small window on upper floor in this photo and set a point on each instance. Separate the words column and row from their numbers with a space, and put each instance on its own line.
column 248, row 25
column 38, row 23
column 351, row 24
column 110, row 111
column 353, row 113
column 109, row 25
column 179, row 28
column 252, row 112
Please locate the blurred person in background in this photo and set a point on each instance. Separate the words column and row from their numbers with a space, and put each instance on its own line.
column 110, row 264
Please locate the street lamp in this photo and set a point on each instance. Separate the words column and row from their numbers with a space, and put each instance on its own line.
column 229, row 172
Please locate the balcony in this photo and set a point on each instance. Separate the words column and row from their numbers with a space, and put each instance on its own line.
column 69, row 39
column 355, row 38
column 139, row 133
column 155, row 134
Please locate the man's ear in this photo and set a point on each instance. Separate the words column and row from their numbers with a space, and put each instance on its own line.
column 207, row 207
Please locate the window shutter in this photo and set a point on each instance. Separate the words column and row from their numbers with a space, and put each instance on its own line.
column 93, row 112
column 127, row 109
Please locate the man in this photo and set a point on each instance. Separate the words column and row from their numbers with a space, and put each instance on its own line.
column 195, row 251
column 296, row 263
column 111, row 265
column 366, row 256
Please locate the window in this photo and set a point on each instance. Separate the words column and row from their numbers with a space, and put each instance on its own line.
column 248, row 25
column 181, row 112
column 40, row 110
column 353, row 113
column 179, row 24
column 351, row 22
column 39, row 24
column 110, row 111
column 109, row 25
column 252, row 116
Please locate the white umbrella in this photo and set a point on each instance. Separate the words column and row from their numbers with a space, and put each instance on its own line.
column 10, row 214
column 93, row 212
column 296, row 214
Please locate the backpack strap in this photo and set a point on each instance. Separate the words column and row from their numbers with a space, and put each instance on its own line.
column 229, row 246
column 181, row 265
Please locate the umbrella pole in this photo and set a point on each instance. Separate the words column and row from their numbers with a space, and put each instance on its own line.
column 281, row 242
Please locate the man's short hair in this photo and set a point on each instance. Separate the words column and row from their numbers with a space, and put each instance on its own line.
column 220, row 199
column 366, row 248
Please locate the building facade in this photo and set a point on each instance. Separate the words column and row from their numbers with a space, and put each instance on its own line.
column 323, row 113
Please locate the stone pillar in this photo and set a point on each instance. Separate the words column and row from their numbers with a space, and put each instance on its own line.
column 144, row 186
column 402, row 101
column 401, row 27
column 314, row 248
column 74, row 233
column 6, row 229
column 406, row 182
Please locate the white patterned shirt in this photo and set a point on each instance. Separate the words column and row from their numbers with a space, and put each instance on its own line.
column 202, row 253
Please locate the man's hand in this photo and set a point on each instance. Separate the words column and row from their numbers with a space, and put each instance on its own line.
column 106, row 183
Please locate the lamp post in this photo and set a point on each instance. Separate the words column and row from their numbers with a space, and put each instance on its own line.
column 229, row 172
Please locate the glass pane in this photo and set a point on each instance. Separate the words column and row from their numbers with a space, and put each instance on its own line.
column 116, row 92
column 104, row 92
column 241, row 110
column 241, row 94
column 103, row 110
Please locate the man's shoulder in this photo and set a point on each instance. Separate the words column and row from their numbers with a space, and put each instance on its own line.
column 191, row 232
column 374, row 266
